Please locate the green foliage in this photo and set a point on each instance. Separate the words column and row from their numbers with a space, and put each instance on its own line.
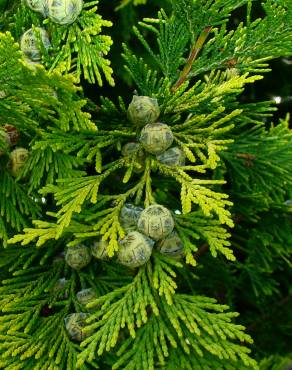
column 250, row 46
column 187, row 321
column 194, row 230
column 32, row 96
column 275, row 363
column 203, row 147
column 182, row 321
column 127, row 2
column 197, row 16
column 268, row 250
column 31, row 99
column 26, row 296
column 79, row 49
column 247, row 48
column 227, row 201
column 15, row 206
column 84, row 40
column 185, row 328
column 256, row 167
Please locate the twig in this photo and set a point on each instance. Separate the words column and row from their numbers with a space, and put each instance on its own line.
column 249, row 159
column 202, row 250
column 193, row 55
column 245, row 156
column 205, row 247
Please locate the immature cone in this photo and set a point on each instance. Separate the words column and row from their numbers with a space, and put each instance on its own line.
column 64, row 11
column 60, row 286
column 143, row 110
column 18, row 157
column 78, row 256
column 135, row 250
column 85, row 296
column 74, row 324
column 12, row 134
column 171, row 246
column 231, row 73
column 39, row 6
column 130, row 214
column 172, row 157
column 288, row 203
column 156, row 138
column 156, row 222
column 99, row 250
column 129, row 149
column 29, row 43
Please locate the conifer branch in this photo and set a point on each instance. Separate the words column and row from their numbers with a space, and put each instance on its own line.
column 193, row 55
column 157, row 315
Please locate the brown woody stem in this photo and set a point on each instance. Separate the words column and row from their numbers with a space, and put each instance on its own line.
column 202, row 250
column 205, row 247
column 193, row 55
column 245, row 156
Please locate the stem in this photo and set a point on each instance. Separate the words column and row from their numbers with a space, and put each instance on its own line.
column 205, row 247
column 246, row 156
column 202, row 250
column 193, row 55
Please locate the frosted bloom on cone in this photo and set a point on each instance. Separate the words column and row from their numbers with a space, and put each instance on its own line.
column 135, row 250
column 29, row 43
column 18, row 157
column 85, row 296
column 172, row 157
column 99, row 250
column 156, row 222
column 130, row 214
column 40, row 6
column 64, row 11
column 171, row 246
column 74, row 324
column 156, row 138
column 143, row 110
column 78, row 256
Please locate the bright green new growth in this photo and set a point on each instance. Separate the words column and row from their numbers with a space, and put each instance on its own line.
column 76, row 182
column 32, row 96
column 79, row 49
column 127, row 2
